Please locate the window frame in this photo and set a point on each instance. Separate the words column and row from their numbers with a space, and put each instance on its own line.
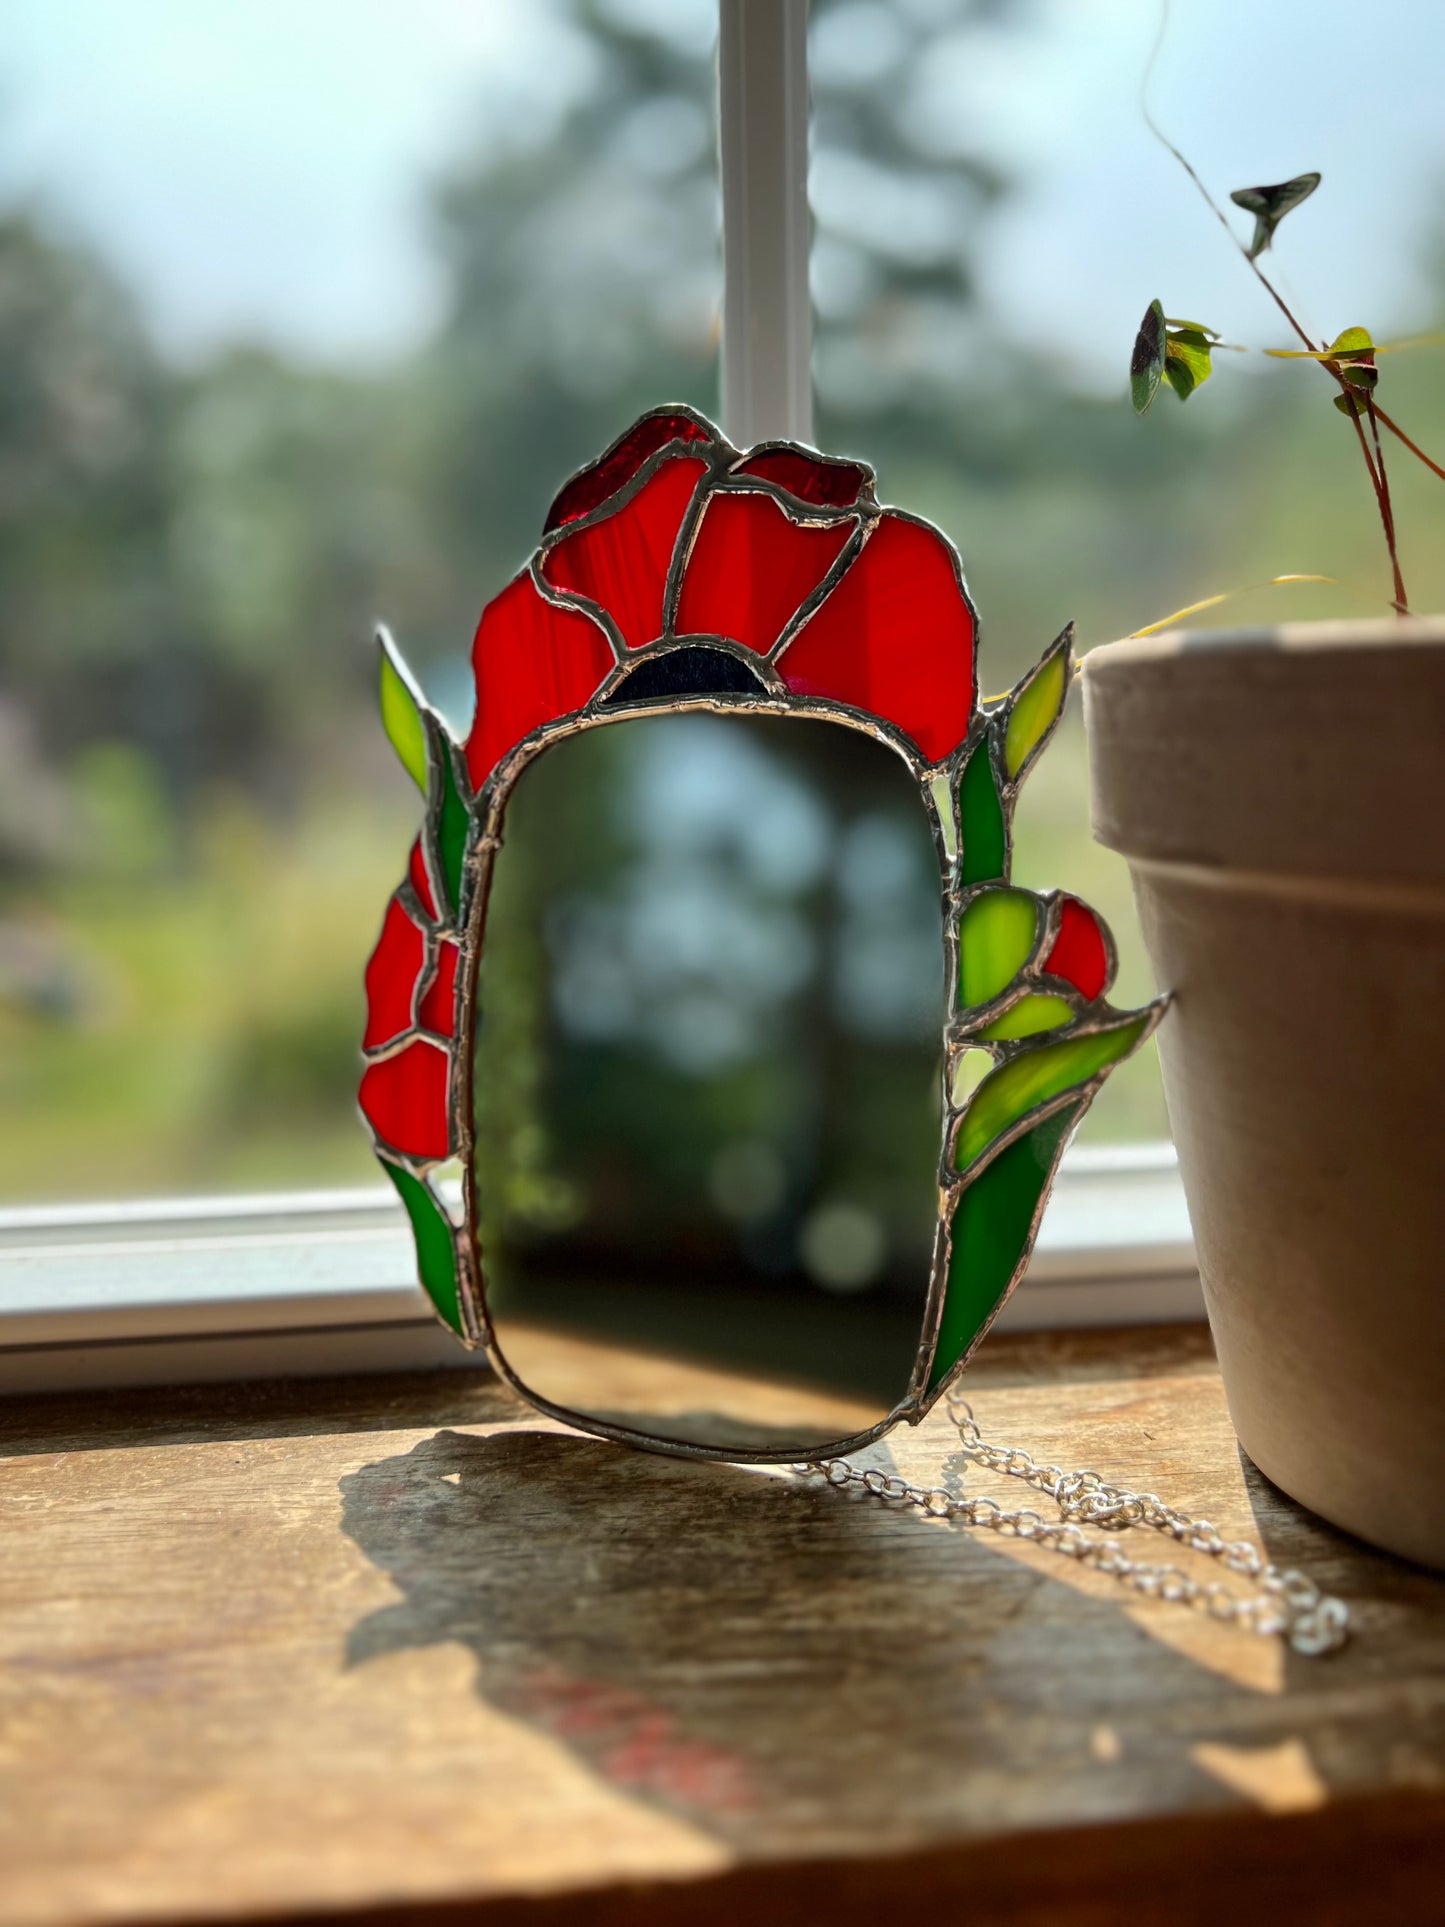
column 206, row 1289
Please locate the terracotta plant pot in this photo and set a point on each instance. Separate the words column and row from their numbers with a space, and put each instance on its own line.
column 1278, row 796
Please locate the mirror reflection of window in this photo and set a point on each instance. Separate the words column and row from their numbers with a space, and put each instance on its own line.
column 709, row 1056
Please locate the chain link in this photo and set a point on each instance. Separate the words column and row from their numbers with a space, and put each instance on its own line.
column 1287, row 1604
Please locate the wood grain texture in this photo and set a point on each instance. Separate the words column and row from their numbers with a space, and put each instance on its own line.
column 396, row 1649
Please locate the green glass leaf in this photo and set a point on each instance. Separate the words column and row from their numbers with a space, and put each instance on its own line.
column 401, row 712
column 453, row 823
column 1029, row 1016
column 1037, row 1075
column 991, row 1226
column 1187, row 363
column 436, row 1250
column 1269, row 205
column 1035, row 707
column 995, row 941
column 985, row 834
column 1146, row 365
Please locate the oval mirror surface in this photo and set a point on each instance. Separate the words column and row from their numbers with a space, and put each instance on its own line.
column 707, row 1093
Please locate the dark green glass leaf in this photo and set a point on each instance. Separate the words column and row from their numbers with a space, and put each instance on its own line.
column 452, row 825
column 1146, row 365
column 1269, row 205
column 991, row 1227
column 981, row 820
column 436, row 1251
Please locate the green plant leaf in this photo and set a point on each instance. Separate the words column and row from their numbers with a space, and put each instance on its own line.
column 1035, row 1076
column 1269, row 205
column 1355, row 353
column 995, row 940
column 403, row 712
column 981, row 820
column 1187, row 363
column 990, row 1234
column 436, row 1248
column 1146, row 365
column 1036, row 704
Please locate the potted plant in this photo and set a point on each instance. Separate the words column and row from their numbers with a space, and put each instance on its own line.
column 1276, row 793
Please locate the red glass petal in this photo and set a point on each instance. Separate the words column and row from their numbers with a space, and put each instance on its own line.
column 420, row 881
column 533, row 662
column 391, row 977
column 750, row 569
column 438, row 1005
column 894, row 637
column 1080, row 955
column 611, row 471
column 622, row 561
column 405, row 1097
column 809, row 477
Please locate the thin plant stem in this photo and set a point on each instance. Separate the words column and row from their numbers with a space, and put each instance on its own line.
column 1401, row 601
column 1400, row 435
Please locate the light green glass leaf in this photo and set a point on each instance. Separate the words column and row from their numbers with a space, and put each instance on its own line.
column 985, row 833
column 401, row 713
column 1034, row 708
column 436, row 1251
column 990, row 1234
column 1029, row 1016
column 1036, row 1076
column 995, row 941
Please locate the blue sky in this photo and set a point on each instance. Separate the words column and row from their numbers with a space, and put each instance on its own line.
column 261, row 168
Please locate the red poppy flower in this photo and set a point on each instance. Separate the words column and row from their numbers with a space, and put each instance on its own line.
column 782, row 556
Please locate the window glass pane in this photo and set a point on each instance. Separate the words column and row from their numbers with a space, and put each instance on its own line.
column 304, row 313
column 992, row 220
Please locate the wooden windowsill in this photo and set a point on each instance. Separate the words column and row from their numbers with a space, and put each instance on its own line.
column 392, row 1648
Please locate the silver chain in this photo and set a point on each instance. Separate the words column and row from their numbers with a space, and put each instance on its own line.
column 1287, row 1604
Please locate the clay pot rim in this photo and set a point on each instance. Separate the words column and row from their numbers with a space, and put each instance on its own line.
column 1369, row 635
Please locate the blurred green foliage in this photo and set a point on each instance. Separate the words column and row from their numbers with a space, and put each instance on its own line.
column 199, row 817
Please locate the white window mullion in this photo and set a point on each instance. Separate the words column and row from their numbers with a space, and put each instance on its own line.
column 767, row 335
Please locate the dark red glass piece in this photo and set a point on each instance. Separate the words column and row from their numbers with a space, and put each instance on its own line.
column 1080, row 955
column 437, row 1008
column 391, row 977
column 895, row 637
column 809, row 477
column 617, row 467
column 533, row 662
column 750, row 569
column 405, row 1097
column 621, row 563
column 420, row 881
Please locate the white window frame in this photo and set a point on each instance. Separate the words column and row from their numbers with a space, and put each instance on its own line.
column 178, row 1291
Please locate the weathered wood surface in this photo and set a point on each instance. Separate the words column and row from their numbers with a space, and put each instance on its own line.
column 397, row 1648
